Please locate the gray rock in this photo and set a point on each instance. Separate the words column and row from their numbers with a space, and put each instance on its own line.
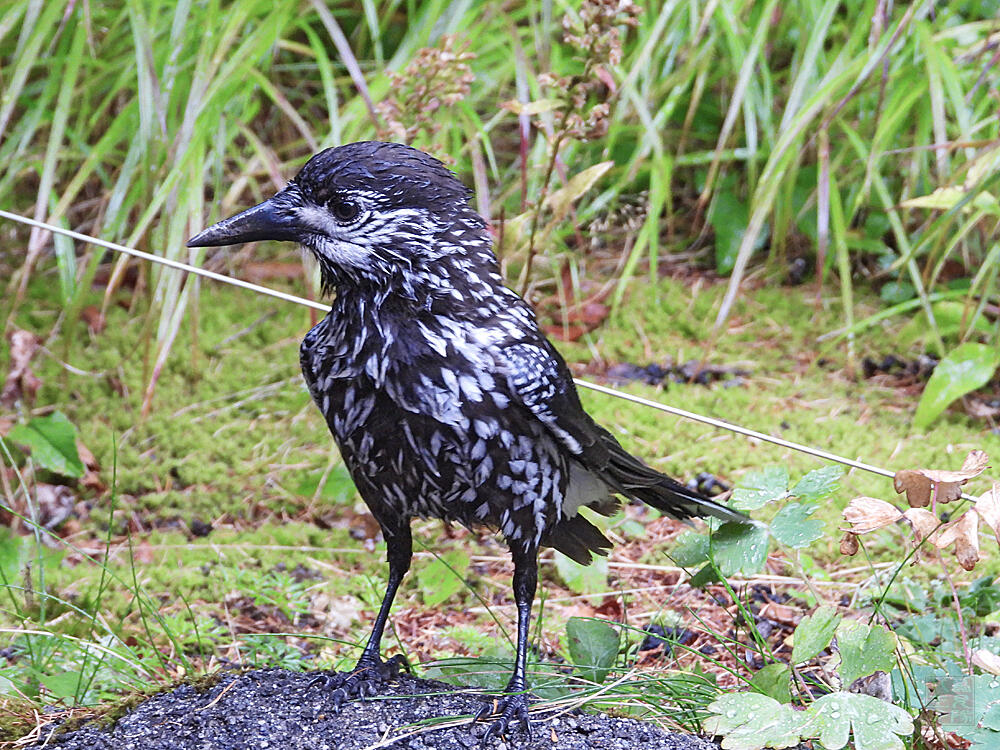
column 274, row 708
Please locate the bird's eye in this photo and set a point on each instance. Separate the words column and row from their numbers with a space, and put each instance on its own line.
column 344, row 211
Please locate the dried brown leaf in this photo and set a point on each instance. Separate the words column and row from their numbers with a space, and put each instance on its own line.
column 336, row 613
column 21, row 382
column 782, row 613
column 986, row 661
column 948, row 491
column 916, row 486
column 981, row 409
column 567, row 333
column 877, row 685
column 923, row 521
column 919, row 488
column 92, row 316
column 869, row 513
column 86, row 456
column 988, row 508
column 143, row 552
column 974, row 464
column 964, row 534
column 923, row 484
column 590, row 313
column 849, row 544
column 92, row 481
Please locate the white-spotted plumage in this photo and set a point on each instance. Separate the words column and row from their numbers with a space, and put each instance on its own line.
column 445, row 398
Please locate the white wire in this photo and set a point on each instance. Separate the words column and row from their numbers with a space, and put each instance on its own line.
column 818, row 452
column 177, row 265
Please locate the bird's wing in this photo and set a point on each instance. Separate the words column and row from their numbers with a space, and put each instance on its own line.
column 540, row 381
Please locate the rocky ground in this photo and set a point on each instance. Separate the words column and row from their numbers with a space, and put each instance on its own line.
column 274, row 708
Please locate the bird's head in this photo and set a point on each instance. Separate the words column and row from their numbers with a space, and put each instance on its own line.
column 372, row 213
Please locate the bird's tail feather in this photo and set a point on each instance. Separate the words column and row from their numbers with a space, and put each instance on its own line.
column 633, row 478
column 678, row 501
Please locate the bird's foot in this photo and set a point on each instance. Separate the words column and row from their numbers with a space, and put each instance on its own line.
column 511, row 708
column 364, row 681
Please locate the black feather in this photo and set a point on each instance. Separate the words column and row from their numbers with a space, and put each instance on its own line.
column 443, row 394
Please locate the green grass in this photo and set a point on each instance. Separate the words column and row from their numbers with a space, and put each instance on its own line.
column 818, row 127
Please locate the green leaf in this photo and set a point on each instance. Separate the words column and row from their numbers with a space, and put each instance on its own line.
column 690, row 549
column 864, row 649
column 704, row 576
column 991, row 718
column 895, row 292
column 338, row 487
column 967, row 706
column 982, row 596
column 942, row 199
column 793, row 527
column 65, row 262
column 964, row 369
column 578, row 184
column 488, row 672
column 443, row 577
column 593, row 647
column 63, row 685
column 9, row 688
column 729, row 220
column 930, row 629
column 10, row 554
column 818, row 483
column 814, row 633
column 17, row 552
column 52, row 442
column 982, row 738
column 515, row 231
column 739, row 548
column 946, row 198
column 952, row 318
column 758, row 488
column 877, row 725
column 751, row 721
column 773, row 680
column 583, row 579
column 537, row 107
column 632, row 529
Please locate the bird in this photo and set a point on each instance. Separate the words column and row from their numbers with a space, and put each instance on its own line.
column 444, row 396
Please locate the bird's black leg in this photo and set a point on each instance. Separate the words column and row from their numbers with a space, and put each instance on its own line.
column 371, row 672
column 514, row 705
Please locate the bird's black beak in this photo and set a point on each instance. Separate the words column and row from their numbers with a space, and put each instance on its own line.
column 270, row 220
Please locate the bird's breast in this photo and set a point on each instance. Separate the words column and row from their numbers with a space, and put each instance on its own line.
column 426, row 426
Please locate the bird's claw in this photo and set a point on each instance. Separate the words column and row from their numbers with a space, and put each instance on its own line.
column 509, row 707
column 364, row 681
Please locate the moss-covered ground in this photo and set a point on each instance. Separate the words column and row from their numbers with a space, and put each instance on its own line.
column 228, row 512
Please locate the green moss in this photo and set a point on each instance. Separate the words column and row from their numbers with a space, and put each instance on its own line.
column 230, row 415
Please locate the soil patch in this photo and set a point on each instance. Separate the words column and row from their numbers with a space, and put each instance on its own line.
column 274, row 708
